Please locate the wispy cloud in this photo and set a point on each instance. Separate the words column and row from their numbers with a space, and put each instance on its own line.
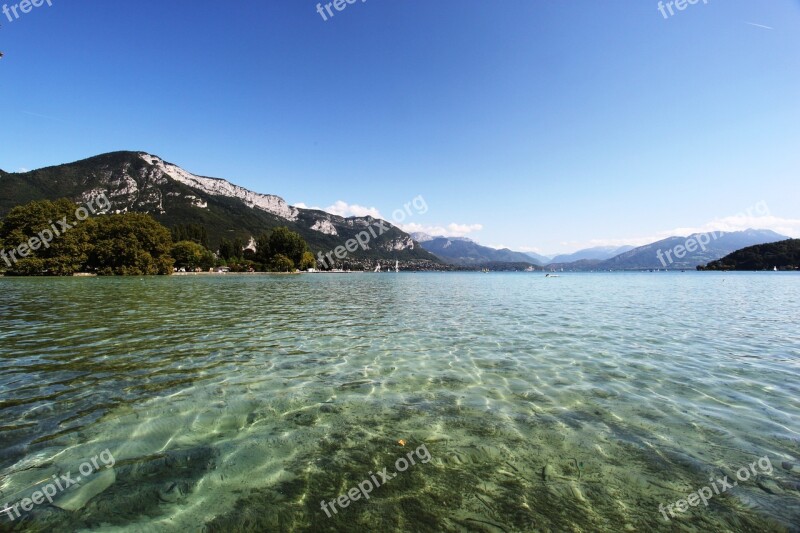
column 451, row 230
column 38, row 115
column 759, row 25
column 343, row 209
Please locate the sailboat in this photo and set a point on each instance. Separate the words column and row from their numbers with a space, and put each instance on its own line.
column 378, row 268
column 774, row 269
column 397, row 266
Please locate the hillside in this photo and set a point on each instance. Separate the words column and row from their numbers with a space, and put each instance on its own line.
column 538, row 259
column 459, row 251
column 598, row 253
column 716, row 245
column 140, row 182
column 783, row 255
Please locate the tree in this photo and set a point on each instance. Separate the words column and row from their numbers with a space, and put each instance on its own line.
column 285, row 242
column 132, row 244
column 281, row 263
column 190, row 232
column 52, row 241
column 263, row 251
column 190, row 255
column 226, row 249
column 282, row 249
column 231, row 250
column 307, row 261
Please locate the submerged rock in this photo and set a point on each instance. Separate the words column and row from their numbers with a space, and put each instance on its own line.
column 548, row 472
column 173, row 491
column 576, row 492
column 769, row 486
column 791, row 467
column 79, row 495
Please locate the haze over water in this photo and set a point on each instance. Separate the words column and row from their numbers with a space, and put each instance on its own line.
column 238, row 403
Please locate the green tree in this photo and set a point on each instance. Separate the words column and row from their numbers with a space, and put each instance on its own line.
column 263, row 251
column 283, row 241
column 190, row 255
column 226, row 249
column 131, row 244
column 190, row 232
column 52, row 241
column 281, row 263
column 231, row 250
column 307, row 261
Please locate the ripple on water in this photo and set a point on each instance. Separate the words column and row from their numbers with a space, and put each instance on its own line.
column 239, row 403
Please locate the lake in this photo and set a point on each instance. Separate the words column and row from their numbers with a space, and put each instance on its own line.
column 401, row 402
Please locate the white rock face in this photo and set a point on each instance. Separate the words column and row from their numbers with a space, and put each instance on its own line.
column 325, row 226
column 219, row 187
column 403, row 244
column 91, row 195
column 422, row 237
column 197, row 202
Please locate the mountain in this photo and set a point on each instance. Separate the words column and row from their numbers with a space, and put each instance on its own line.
column 783, row 255
column 137, row 181
column 680, row 252
column 462, row 251
column 538, row 258
column 581, row 265
column 600, row 253
column 421, row 237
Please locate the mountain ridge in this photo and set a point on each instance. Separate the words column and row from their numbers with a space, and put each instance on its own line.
column 655, row 255
column 142, row 182
column 462, row 251
column 781, row 255
column 598, row 252
column 465, row 252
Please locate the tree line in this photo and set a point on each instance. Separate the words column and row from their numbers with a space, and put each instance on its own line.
column 783, row 255
column 131, row 244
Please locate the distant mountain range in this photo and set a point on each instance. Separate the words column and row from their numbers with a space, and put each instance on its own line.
column 716, row 245
column 538, row 259
column 598, row 253
column 137, row 181
column 664, row 254
column 465, row 252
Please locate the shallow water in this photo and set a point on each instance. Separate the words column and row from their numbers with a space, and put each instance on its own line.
column 239, row 403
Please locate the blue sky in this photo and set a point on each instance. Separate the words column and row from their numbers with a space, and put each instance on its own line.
column 549, row 125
